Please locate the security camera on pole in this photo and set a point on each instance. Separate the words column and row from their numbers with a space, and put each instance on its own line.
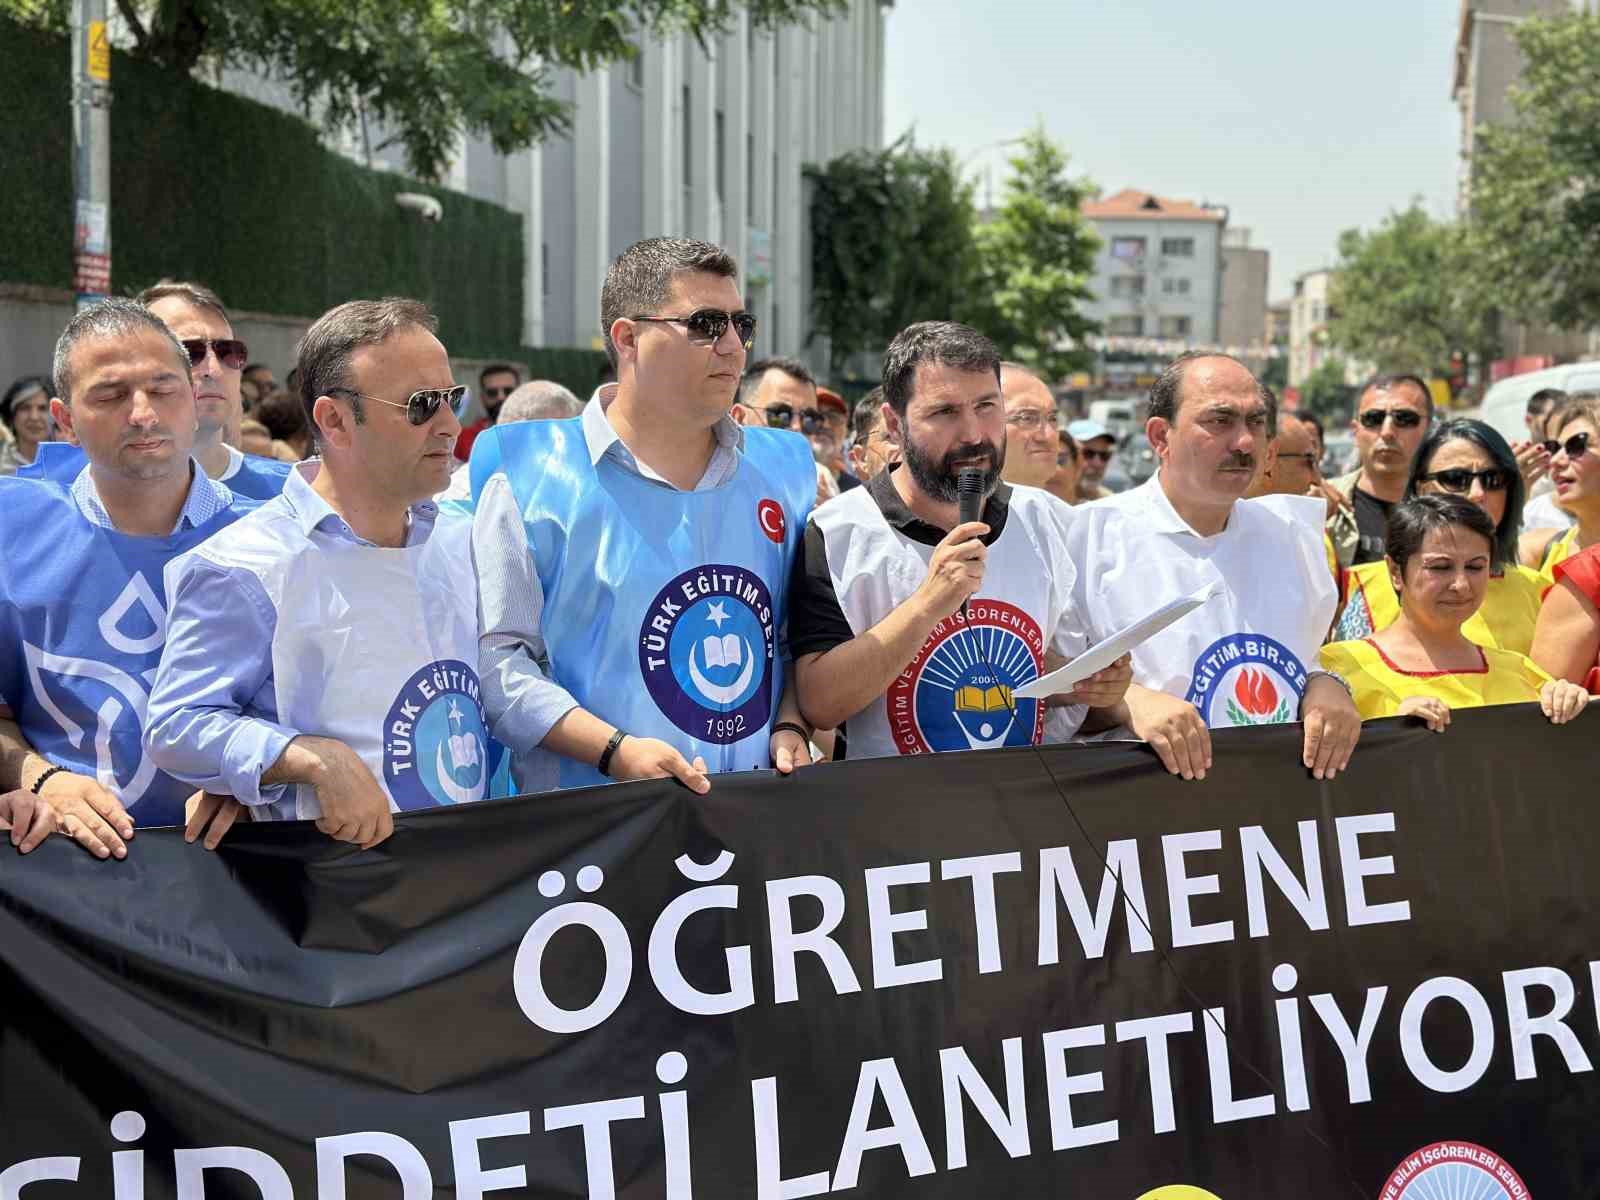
column 91, row 136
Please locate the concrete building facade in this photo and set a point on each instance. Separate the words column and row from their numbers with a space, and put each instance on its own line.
column 1308, row 324
column 1158, row 274
column 1245, row 270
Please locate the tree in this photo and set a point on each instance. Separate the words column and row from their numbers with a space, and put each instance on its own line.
column 1035, row 260
column 1325, row 393
column 1536, row 182
column 891, row 243
column 428, row 70
column 1404, row 296
column 1275, row 374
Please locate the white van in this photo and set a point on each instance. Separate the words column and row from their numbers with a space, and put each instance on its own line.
column 1506, row 402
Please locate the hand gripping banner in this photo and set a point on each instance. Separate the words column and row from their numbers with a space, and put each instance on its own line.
column 1031, row 973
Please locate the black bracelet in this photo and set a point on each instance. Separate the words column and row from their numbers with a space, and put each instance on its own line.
column 791, row 727
column 604, row 765
column 39, row 782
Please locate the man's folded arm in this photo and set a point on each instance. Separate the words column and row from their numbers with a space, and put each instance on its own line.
column 210, row 721
column 521, row 701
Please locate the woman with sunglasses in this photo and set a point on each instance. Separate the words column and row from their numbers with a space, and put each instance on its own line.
column 1575, row 471
column 1471, row 460
column 1440, row 550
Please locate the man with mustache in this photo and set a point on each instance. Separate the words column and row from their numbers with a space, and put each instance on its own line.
column 1248, row 655
column 914, row 629
column 81, row 615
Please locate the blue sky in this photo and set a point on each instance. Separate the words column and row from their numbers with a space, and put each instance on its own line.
column 1305, row 119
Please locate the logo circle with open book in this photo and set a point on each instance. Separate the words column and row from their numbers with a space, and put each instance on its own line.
column 956, row 694
column 705, row 650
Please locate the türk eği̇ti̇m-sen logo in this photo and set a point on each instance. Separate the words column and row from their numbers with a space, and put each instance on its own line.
column 435, row 747
column 705, row 651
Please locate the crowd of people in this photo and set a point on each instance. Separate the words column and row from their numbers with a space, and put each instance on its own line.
column 331, row 601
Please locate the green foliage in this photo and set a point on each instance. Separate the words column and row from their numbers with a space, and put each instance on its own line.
column 1276, row 373
column 1035, row 262
column 891, row 243
column 576, row 367
column 211, row 186
column 429, row 70
column 1405, row 297
column 1536, row 182
column 1325, row 394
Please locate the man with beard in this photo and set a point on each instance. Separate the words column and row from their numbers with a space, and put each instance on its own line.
column 496, row 382
column 1392, row 417
column 888, row 630
column 1248, row 655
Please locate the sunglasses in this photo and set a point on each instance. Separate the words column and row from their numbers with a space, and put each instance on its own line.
column 1404, row 418
column 1575, row 446
column 1098, row 455
column 1459, row 479
column 231, row 352
column 709, row 324
column 781, row 416
column 499, row 393
column 420, row 406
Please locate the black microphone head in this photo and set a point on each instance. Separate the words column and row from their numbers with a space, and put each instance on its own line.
column 969, row 493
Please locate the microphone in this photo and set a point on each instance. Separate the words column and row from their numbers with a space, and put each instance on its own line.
column 969, row 493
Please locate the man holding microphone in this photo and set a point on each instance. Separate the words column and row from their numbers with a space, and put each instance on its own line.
column 890, row 634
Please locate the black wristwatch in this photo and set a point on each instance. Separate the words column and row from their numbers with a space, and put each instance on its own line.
column 604, row 765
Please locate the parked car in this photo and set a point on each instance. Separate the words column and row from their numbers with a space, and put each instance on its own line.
column 1506, row 402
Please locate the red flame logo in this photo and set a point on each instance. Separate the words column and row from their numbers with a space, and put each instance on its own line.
column 1255, row 693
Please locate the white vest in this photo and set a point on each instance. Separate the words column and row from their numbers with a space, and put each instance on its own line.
column 1241, row 658
column 955, row 694
column 375, row 647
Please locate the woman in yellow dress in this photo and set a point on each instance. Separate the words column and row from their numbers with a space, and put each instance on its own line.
column 1440, row 549
column 1575, row 471
column 1470, row 459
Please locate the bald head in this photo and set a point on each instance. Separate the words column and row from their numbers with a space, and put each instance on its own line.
column 1033, row 440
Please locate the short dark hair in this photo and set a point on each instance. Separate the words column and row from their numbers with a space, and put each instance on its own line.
column 1485, row 437
column 115, row 316
column 1315, row 422
column 196, row 294
column 750, row 381
column 1543, row 399
column 283, row 415
column 640, row 279
column 868, row 411
column 1412, row 520
column 499, row 369
column 947, row 343
column 323, row 355
column 1167, row 393
column 19, row 389
column 1387, row 383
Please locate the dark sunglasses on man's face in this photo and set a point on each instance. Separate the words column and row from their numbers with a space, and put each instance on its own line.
column 1097, row 455
column 231, row 353
column 420, row 406
column 1575, row 446
column 709, row 324
column 1459, row 479
column 781, row 416
column 1404, row 418
column 499, row 393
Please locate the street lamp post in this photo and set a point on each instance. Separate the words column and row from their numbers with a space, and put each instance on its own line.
column 91, row 137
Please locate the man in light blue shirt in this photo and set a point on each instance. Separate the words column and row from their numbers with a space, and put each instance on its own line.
column 321, row 659
column 80, row 614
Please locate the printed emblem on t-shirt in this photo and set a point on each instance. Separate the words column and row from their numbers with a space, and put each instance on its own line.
column 1247, row 679
column 435, row 747
column 705, row 650
column 956, row 694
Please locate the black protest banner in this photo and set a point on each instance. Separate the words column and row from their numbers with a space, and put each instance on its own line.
column 897, row 978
